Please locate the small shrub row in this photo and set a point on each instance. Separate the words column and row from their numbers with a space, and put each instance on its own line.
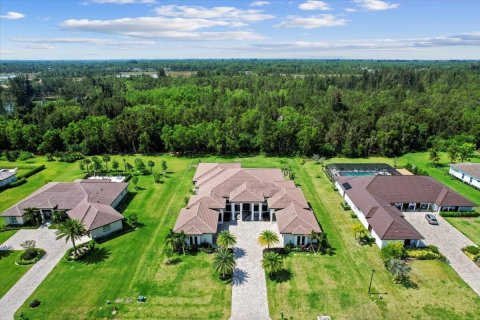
column 427, row 253
column 30, row 256
column 17, row 183
column 460, row 214
column 415, row 170
column 473, row 253
column 345, row 206
column 31, row 172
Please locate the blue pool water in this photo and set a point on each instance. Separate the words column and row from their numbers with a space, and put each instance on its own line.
column 357, row 173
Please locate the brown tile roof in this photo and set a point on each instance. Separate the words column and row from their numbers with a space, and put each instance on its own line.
column 471, row 169
column 196, row 220
column 295, row 219
column 217, row 182
column 90, row 201
column 374, row 196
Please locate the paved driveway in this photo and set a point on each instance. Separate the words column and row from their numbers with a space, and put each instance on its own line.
column 21, row 291
column 450, row 241
column 249, row 291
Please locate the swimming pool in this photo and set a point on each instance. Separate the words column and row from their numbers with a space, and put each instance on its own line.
column 357, row 173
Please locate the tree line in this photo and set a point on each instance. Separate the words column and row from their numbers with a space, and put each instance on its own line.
column 348, row 108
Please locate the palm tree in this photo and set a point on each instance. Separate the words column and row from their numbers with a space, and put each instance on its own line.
column 172, row 240
column 151, row 164
column 319, row 238
column 272, row 262
column 226, row 239
column 71, row 229
column 268, row 238
column 182, row 237
column 124, row 165
column 106, row 159
column 31, row 214
column 224, row 262
column 87, row 163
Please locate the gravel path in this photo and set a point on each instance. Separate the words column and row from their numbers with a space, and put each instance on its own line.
column 21, row 291
column 450, row 241
column 249, row 292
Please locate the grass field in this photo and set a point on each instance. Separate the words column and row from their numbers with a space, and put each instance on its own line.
column 133, row 264
column 468, row 226
column 337, row 285
column 10, row 272
column 5, row 235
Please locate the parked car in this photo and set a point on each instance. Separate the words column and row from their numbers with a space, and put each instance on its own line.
column 431, row 219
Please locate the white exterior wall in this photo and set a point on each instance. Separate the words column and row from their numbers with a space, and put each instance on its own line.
column 203, row 238
column 7, row 220
column 8, row 181
column 466, row 178
column 119, row 199
column 292, row 239
column 98, row 233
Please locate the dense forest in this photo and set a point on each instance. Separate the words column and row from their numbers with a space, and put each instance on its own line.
column 304, row 107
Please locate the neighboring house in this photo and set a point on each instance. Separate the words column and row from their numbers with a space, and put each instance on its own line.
column 7, row 176
column 93, row 202
column 380, row 203
column 467, row 172
column 226, row 192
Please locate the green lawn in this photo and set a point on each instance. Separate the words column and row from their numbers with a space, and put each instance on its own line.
column 5, row 235
column 10, row 272
column 468, row 226
column 133, row 264
column 337, row 285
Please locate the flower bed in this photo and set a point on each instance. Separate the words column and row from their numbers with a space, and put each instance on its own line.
column 427, row 253
column 30, row 256
column 82, row 251
column 473, row 253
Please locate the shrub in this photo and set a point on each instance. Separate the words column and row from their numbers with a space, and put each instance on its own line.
column 393, row 251
column 400, row 270
column 132, row 220
column 82, row 250
column 30, row 256
column 12, row 155
column 457, row 214
column 34, row 303
column 427, row 253
column 32, row 171
column 206, row 247
column 345, row 206
column 472, row 249
column 25, row 155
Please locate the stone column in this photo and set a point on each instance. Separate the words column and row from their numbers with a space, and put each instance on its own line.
column 233, row 211
column 271, row 214
column 241, row 211
column 252, row 207
column 221, row 215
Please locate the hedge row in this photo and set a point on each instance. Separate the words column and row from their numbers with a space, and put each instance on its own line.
column 458, row 214
column 427, row 253
column 31, row 172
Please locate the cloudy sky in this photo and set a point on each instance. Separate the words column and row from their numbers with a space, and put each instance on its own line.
column 122, row 29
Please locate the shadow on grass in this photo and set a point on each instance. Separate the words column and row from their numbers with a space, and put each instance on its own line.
column 174, row 261
column 283, row 275
column 410, row 284
column 5, row 253
column 98, row 255
column 126, row 201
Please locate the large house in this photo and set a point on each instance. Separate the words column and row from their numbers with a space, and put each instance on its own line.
column 467, row 172
column 93, row 202
column 225, row 192
column 7, row 176
column 380, row 203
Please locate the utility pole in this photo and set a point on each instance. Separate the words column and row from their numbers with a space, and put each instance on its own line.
column 371, row 279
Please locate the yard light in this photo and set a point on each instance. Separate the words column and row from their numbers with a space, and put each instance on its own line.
column 371, row 279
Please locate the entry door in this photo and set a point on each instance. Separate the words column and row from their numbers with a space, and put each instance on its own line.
column 301, row 240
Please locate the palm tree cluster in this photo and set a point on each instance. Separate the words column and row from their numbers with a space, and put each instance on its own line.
column 224, row 261
column 272, row 263
column 288, row 172
column 176, row 241
column 268, row 238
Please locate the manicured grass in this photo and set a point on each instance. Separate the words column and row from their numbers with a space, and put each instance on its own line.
column 337, row 285
column 133, row 264
column 10, row 272
column 470, row 227
column 5, row 235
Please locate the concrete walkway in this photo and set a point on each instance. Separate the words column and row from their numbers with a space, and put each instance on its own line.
column 21, row 291
column 249, row 291
column 449, row 241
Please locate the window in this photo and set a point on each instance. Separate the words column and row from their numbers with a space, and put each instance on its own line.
column 13, row 220
column 106, row 228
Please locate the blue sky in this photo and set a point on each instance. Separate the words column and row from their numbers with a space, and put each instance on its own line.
column 123, row 29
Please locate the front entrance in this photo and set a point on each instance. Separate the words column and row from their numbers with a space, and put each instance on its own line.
column 193, row 240
column 301, row 240
column 46, row 215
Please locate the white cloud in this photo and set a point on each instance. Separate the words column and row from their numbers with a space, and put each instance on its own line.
column 259, row 3
column 39, row 46
column 12, row 15
column 465, row 40
column 312, row 22
column 121, row 1
column 223, row 13
column 93, row 41
column 314, row 5
column 376, row 5
column 350, row 10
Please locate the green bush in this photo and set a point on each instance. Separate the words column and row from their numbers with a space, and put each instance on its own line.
column 25, row 155
column 17, row 183
column 83, row 252
column 393, row 251
column 423, row 254
column 31, row 172
column 345, row 206
column 34, row 303
column 457, row 214
column 472, row 249
column 30, row 256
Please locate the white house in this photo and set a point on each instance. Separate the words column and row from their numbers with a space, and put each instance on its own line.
column 467, row 172
column 7, row 176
